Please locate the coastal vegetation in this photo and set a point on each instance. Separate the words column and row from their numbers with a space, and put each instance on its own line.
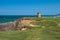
column 43, row 28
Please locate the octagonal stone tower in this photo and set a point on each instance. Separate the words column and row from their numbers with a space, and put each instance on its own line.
column 38, row 14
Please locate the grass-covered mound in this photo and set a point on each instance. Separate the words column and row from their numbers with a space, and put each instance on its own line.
column 47, row 29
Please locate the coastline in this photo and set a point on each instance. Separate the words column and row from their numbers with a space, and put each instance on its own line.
column 20, row 23
column 11, row 18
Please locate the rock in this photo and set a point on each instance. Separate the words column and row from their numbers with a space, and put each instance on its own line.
column 20, row 24
column 6, row 26
column 24, row 28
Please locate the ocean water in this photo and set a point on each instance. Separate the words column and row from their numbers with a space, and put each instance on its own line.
column 11, row 18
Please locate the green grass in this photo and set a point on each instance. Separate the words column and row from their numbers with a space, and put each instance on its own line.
column 51, row 31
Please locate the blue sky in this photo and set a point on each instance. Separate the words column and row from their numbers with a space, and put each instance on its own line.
column 29, row 7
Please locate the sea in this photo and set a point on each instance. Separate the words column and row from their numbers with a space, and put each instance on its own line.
column 11, row 18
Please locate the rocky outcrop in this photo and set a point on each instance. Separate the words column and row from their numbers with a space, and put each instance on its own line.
column 24, row 23
column 58, row 15
column 20, row 24
column 6, row 26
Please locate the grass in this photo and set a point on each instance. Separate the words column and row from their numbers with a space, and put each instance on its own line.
column 48, row 30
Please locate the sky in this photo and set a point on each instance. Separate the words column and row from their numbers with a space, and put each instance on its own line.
column 29, row 7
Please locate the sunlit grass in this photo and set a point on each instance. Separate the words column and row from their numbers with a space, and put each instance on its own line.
column 48, row 29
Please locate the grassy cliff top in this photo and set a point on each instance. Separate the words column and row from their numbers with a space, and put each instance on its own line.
column 47, row 29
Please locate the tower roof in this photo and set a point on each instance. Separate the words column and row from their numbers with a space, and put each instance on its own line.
column 38, row 13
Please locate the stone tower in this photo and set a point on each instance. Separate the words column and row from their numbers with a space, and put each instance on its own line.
column 38, row 14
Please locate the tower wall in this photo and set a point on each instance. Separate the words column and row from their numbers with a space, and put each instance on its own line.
column 38, row 14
